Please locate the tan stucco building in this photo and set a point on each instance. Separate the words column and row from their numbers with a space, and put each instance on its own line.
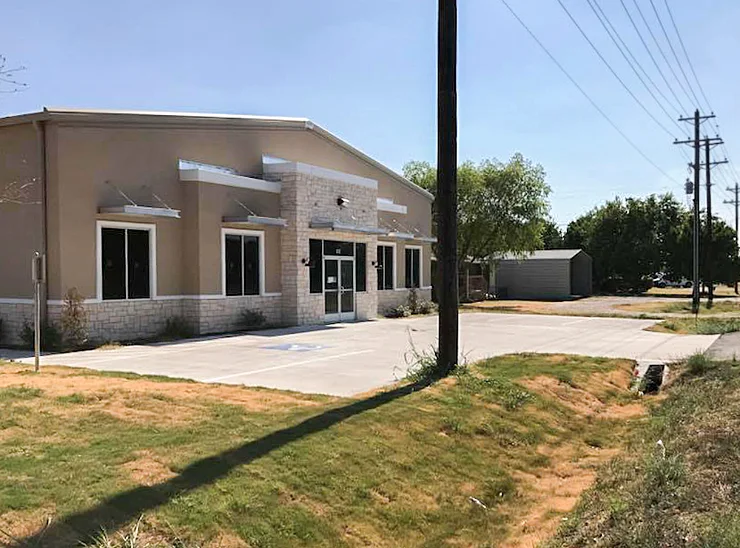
column 155, row 215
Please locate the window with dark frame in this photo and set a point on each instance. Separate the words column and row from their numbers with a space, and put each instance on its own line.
column 413, row 265
column 385, row 267
column 360, row 267
column 126, row 269
column 242, row 264
column 316, row 268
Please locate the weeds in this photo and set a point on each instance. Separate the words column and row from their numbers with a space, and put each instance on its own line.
column 51, row 337
column 175, row 328
column 74, row 319
column 697, row 364
column 678, row 486
column 252, row 319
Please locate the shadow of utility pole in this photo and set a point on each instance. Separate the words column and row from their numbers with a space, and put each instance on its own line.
column 114, row 512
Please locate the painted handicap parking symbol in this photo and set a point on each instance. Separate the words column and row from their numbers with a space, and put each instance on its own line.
column 296, row 347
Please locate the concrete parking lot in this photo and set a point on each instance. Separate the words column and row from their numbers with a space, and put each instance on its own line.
column 347, row 359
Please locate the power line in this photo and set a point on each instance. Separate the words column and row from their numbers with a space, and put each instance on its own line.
column 634, row 58
column 652, row 57
column 627, row 89
column 614, row 35
column 670, row 45
column 685, row 52
column 660, row 49
column 586, row 95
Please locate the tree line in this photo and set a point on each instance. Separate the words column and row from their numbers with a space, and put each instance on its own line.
column 631, row 240
column 503, row 208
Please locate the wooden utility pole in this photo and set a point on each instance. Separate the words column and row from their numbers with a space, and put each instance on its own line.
column 696, row 143
column 446, row 199
column 708, row 143
column 735, row 202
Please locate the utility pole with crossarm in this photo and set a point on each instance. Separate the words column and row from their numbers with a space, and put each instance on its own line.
column 697, row 119
column 735, row 202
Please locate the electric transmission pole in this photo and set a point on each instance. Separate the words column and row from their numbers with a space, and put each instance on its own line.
column 447, row 185
column 735, row 202
column 708, row 143
column 697, row 119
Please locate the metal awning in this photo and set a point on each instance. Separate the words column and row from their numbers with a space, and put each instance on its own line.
column 256, row 220
column 341, row 226
column 141, row 211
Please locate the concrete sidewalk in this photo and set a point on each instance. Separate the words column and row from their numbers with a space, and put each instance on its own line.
column 726, row 347
column 346, row 359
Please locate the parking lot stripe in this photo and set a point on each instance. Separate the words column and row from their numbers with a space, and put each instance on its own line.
column 285, row 366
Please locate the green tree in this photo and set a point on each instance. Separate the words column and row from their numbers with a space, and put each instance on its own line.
column 630, row 240
column 502, row 207
column 552, row 237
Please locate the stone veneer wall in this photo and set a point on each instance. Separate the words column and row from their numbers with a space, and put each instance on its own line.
column 304, row 197
column 127, row 320
column 13, row 316
column 394, row 297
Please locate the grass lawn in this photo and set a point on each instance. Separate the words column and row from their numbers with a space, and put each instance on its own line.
column 720, row 290
column 701, row 326
column 681, row 492
column 492, row 457
column 682, row 307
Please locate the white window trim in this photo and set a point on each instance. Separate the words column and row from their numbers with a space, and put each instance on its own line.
column 395, row 264
column 152, row 229
column 421, row 264
column 261, row 242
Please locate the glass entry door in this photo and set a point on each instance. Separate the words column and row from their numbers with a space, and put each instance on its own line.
column 339, row 289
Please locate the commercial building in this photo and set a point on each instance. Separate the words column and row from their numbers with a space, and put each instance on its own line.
column 154, row 215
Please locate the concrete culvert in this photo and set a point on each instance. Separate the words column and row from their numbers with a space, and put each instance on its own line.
column 653, row 378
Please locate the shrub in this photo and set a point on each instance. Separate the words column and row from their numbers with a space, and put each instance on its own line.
column 427, row 307
column 697, row 364
column 51, row 338
column 74, row 319
column 422, row 365
column 400, row 311
column 176, row 327
column 252, row 319
column 413, row 300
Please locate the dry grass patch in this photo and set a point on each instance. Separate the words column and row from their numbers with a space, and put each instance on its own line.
column 407, row 472
column 681, row 492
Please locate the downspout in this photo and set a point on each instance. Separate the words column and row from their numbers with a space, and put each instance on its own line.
column 41, row 140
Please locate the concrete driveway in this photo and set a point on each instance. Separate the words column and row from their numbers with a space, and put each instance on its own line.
column 347, row 359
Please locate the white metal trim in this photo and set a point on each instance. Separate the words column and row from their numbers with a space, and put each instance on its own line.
column 142, row 211
column 16, row 301
column 385, row 204
column 316, row 171
column 421, row 263
column 395, row 263
column 228, row 179
column 152, row 228
column 260, row 234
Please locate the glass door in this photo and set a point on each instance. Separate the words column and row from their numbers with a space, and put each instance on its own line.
column 339, row 289
column 347, row 290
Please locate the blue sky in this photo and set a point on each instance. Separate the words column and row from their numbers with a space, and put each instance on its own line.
column 366, row 70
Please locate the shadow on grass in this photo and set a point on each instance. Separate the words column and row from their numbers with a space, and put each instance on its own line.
column 114, row 512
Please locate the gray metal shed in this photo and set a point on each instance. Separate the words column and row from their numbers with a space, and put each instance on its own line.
column 545, row 274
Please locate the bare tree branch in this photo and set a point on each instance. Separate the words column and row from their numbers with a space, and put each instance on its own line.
column 9, row 82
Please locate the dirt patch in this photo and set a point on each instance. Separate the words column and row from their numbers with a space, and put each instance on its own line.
column 523, row 307
column 226, row 540
column 554, row 491
column 148, row 469
column 24, row 524
column 584, row 402
column 60, row 381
